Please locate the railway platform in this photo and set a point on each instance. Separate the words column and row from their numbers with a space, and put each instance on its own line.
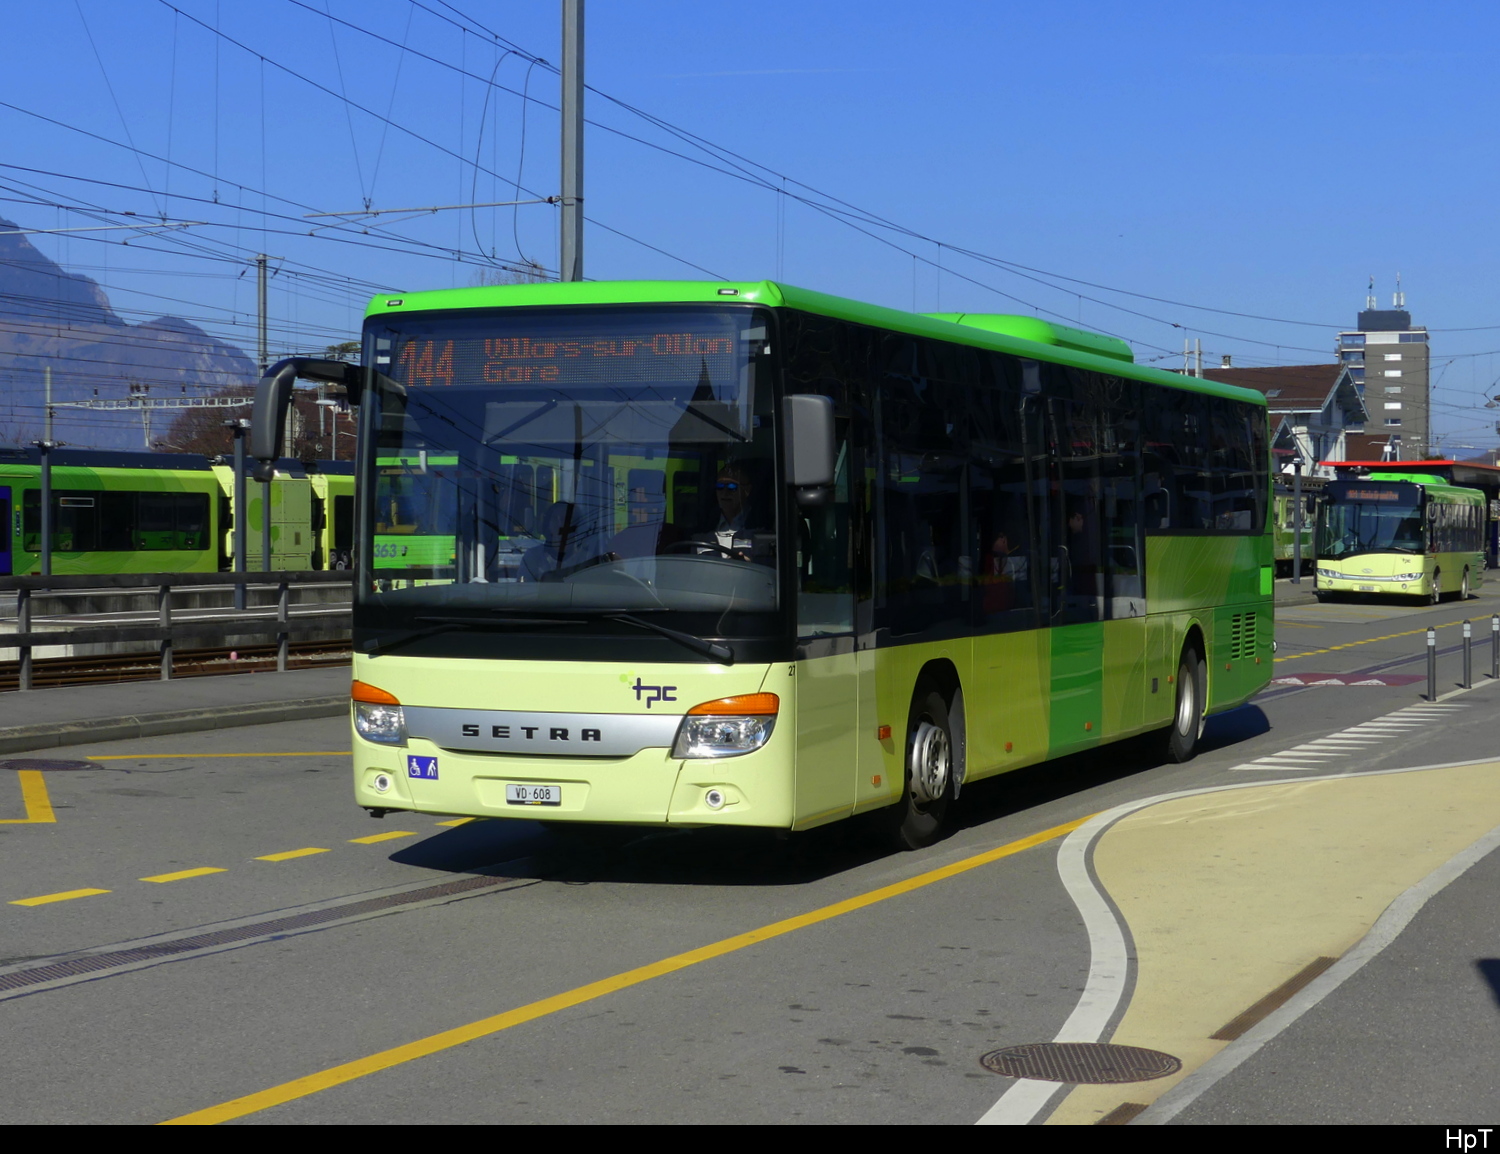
column 48, row 718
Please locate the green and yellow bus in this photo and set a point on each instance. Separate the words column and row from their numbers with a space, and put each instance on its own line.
column 1400, row 534
column 703, row 554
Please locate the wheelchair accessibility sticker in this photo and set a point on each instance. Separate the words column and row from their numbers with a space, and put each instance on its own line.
column 423, row 767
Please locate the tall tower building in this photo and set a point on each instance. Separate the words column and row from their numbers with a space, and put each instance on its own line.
column 1388, row 359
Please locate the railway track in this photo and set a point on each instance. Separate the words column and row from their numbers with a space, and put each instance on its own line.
column 54, row 672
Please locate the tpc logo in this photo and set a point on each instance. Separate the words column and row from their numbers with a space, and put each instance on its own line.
column 657, row 692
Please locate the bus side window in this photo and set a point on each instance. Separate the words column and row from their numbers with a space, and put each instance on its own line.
column 926, row 568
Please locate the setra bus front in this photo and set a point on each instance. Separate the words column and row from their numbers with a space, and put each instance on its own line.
column 571, row 597
column 1372, row 538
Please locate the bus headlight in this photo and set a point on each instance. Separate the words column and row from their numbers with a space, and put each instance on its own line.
column 377, row 715
column 728, row 727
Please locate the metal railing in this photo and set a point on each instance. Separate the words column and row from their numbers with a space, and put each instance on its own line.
column 166, row 632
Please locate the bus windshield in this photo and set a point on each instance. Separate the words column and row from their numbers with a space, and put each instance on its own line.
column 1370, row 519
column 574, row 461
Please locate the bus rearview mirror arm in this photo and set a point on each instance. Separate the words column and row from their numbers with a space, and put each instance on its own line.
column 273, row 399
column 810, row 453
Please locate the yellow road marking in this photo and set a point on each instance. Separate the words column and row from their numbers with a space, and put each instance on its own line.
column 34, row 795
column 288, row 855
column 447, row 1039
column 374, row 837
column 156, row 756
column 1366, row 641
column 457, row 821
column 65, row 896
column 180, row 875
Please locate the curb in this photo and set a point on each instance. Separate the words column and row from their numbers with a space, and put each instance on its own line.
column 1292, row 595
column 22, row 738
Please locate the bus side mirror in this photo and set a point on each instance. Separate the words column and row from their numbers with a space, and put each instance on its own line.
column 810, row 452
column 273, row 398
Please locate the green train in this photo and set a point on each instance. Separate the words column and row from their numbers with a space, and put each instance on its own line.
column 121, row 512
column 1284, row 525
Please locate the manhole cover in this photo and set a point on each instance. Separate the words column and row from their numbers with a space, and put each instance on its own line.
column 44, row 763
column 1093, row 1063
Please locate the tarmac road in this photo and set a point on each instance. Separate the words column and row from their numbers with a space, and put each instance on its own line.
column 228, row 938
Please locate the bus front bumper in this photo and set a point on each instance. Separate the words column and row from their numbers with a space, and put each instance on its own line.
column 647, row 788
column 1405, row 584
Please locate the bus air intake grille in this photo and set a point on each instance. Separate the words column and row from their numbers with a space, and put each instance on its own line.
column 1089, row 1063
column 1242, row 637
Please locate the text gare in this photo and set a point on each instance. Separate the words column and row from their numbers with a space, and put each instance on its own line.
column 555, row 733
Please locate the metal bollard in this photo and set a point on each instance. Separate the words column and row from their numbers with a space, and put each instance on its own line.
column 1468, row 656
column 1431, row 664
column 283, row 600
column 23, row 625
column 1495, row 646
column 164, row 619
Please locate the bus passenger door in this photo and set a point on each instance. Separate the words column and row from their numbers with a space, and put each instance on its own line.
column 1073, row 515
column 831, row 715
column 7, row 531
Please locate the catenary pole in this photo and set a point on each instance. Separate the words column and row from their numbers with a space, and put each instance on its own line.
column 571, row 264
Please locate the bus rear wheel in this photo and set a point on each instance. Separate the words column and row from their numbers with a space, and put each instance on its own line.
column 1463, row 591
column 1188, row 718
column 918, row 818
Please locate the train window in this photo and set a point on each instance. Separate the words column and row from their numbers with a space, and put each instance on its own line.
column 84, row 522
column 343, row 523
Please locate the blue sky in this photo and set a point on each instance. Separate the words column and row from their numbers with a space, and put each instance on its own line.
column 1261, row 159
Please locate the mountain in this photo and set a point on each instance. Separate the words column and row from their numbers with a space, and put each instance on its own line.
column 49, row 317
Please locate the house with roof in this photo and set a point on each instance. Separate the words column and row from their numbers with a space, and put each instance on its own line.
column 1313, row 409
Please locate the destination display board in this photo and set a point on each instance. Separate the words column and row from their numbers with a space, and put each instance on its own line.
column 1371, row 493
column 581, row 358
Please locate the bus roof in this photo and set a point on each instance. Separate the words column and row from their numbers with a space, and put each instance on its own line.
column 1409, row 478
column 1059, row 343
column 1430, row 483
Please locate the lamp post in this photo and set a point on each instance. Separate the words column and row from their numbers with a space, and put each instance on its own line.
column 1297, row 518
column 240, row 428
column 325, row 403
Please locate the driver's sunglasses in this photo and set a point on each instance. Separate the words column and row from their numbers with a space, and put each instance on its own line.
column 732, row 486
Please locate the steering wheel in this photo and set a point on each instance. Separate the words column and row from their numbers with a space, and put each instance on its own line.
column 684, row 546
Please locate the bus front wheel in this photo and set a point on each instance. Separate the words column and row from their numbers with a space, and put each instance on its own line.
column 918, row 818
column 1437, row 587
column 1187, row 720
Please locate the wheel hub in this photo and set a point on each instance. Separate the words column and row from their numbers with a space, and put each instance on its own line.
column 1186, row 703
column 930, row 763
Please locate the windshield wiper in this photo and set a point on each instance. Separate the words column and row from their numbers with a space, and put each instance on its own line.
column 706, row 419
column 447, row 624
column 721, row 653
